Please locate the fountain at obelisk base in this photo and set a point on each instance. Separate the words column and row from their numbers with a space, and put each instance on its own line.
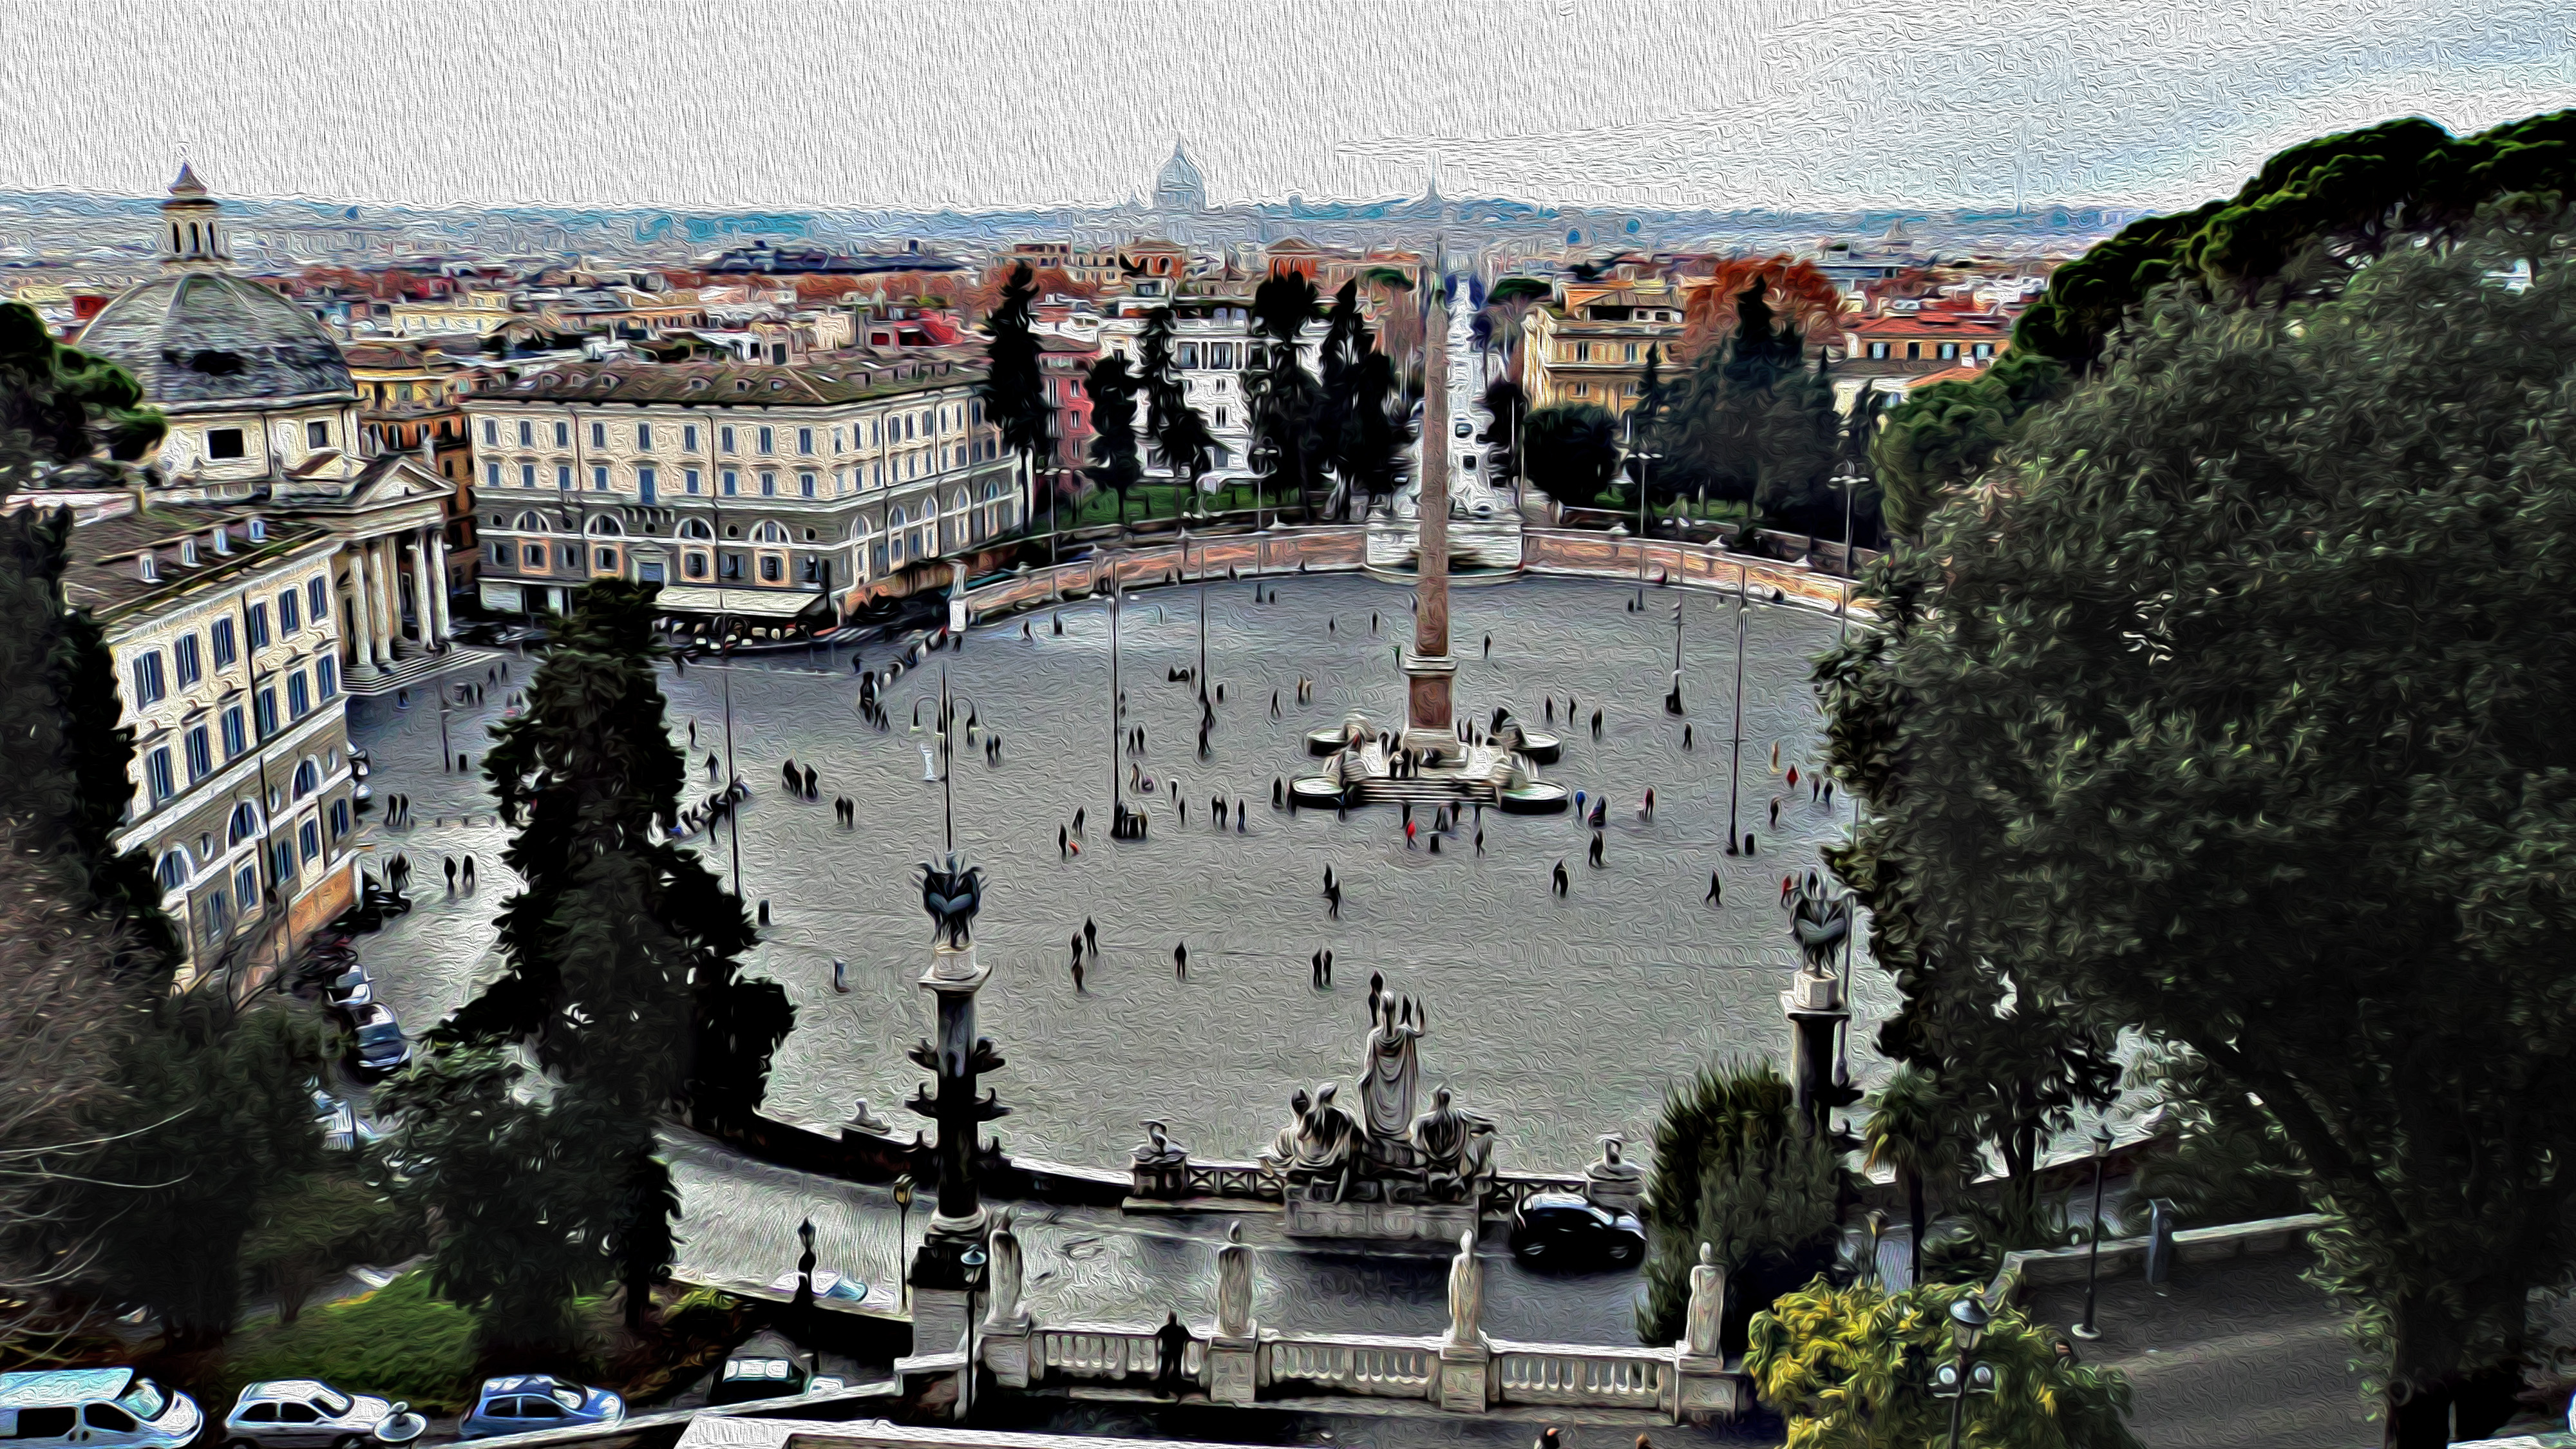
column 1434, row 759
column 1384, row 1170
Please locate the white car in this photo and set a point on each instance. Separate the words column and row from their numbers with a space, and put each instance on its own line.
column 304, row 1414
column 110, row 1408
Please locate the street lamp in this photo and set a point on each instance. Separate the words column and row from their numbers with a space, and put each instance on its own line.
column 973, row 1262
column 1673, row 700
column 2093, row 1259
column 1877, row 1233
column 902, row 1236
column 1963, row 1376
column 1735, row 771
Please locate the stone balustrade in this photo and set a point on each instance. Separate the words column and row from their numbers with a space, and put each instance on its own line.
column 1172, row 560
column 1471, row 1379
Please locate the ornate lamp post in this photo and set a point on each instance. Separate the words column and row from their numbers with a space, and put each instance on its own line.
column 2093, row 1258
column 951, row 895
column 1877, row 1233
column 902, row 1234
column 1964, row 1376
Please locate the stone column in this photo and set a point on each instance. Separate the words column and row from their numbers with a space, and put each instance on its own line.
column 380, row 571
column 939, row 1296
column 413, row 545
column 360, row 629
column 1814, row 1005
column 437, row 583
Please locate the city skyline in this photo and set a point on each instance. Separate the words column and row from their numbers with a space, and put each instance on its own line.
column 1559, row 102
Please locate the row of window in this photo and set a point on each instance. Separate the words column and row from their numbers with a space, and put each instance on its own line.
column 294, row 607
column 878, row 432
column 882, row 473
column 901, row 536
column 223, row 443
column 1943, row 351
column 304, row 691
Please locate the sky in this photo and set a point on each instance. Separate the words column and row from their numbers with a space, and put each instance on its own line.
column 924, row 104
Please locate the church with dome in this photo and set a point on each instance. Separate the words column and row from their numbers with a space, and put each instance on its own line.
column 263, row 413
column 1180, row 187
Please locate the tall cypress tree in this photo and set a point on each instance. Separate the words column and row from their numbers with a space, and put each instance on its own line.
column 1014, row 387
column 1281, row 392
column 1114, row 464
column 1181, row 443
column 623, row 950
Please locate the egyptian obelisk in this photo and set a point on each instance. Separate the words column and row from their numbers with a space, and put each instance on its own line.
column 1428, row 669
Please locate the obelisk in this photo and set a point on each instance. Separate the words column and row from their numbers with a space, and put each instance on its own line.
column 1428, row 669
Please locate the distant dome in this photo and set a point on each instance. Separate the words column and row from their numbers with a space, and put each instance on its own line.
column 206, row 337
column 1180, row 187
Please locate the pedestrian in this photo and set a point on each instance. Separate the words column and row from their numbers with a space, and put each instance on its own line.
column 1775, row 812
column 1829, row 794
column 1238, row 815
column 840, row 975
column 1181, row 961
column 1650, row 802
column 1408, row 834
column 1775, row 757
column 1596, row 850
column 1578, row 804
column 1715, row 896
column 1489, row 646
column 1061, row 841
column 813, row 786
column 1480, row 840
column 1788, row 883
column 1328, row 967
column 1090, row 937
column 764, row 911
column 1077, row 960
column 1793, row 777
column 693, row 734
column 1559, row 879
column 464, row 763
column 1172, row 1344
column 1596, row 724
column 469, row 873
column 1686, row 737
column 711, row 764
column 449, row 862
column 1372, row 621
column 1274, row 704
column 1333, row 899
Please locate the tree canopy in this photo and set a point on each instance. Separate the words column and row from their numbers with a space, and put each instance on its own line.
column 2232, row 707
column 1571, row 452
column 1014, row 387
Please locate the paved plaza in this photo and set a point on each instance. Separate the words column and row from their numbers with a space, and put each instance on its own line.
column 1562, row 1019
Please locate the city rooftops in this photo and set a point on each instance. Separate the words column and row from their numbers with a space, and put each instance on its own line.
column 1929, row 324
column 105, row 572
column 845, row 378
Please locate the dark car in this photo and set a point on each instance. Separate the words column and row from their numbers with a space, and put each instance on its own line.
column 377, row 1046
column 767, row 1367
column 1564, row 1230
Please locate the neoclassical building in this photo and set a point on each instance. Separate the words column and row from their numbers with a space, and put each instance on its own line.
column 264, row 415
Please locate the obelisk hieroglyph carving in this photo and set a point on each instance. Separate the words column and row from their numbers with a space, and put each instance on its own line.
column 1428, row 669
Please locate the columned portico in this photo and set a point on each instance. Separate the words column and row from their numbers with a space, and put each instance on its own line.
column 436, row 584
column 361, row 629
column 388, row 606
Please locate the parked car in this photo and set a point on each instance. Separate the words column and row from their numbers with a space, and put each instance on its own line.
column 377, row 1048
column 308, row 1414
column 765, row 1367
column 349, row 989
column 1562, row 1229
column 526, row 1403
column 343, row 1130
column 102, row 1408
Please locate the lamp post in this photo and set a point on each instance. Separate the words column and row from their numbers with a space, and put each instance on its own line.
column 2093, row 1258
column 1735, row 771
column 1877, row 1232
column 973, row 1262
column 1673, row 700
column 902, row 1234
column 1963, row 1376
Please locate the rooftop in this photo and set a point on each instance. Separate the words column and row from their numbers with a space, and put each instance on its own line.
column 850, row 377
column 103, row 575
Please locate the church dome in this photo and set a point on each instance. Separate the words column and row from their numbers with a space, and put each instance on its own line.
column 205, row 337
column 1179, row 187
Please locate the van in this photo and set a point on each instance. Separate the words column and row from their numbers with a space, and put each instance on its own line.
column 109, row 1408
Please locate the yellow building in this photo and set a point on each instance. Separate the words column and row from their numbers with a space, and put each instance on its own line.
column 1590, row 345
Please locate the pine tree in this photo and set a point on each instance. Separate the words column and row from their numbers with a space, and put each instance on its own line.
column 1114, row 464
column 623, row 973
column 1014, row 385
column 1178, row 437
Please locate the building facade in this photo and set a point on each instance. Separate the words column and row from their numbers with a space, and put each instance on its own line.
column 262, row 409
column 229, row 660
column 1590, row 345
column 773, row 491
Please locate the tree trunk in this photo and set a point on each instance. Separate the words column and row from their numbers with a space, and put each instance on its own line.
column 2430, row 1400
column 1917, row 1218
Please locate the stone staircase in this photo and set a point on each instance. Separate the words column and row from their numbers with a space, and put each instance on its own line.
column 1427, row 790
column 407, row 672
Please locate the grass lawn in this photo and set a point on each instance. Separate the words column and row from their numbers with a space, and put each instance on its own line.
column 402, row 1341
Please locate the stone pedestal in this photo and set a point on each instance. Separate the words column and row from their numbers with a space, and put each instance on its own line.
column 1005, row 1351
column 1466, row 1378
column 1233, row 1366
column 1813, row 1003
column 1162, row 1179
column 938, row 1320
column 1440, row 1222
column 1703, row 1389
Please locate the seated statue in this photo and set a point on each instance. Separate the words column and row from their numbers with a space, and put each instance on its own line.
column 1315, row 1153
column 1158, row 1149
column 1614, row 1182
column 1284, row 1148
column 1456, row 1149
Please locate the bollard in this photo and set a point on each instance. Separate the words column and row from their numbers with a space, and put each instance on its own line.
column 2160, row 1243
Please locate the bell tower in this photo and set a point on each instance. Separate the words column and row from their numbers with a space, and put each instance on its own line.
column 190, row 239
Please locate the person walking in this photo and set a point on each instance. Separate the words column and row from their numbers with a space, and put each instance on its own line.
column 449, row 862
column 1559, row 879
column 469, row 874
column 1091, row 938
column 1775, row 812
column 1061, row 843
column 1333, row 900
column 1172, row 1345
column 1328, row 967
column 1181, row 961
column 1596, row 850
column 840, row 976
column 1715, row 896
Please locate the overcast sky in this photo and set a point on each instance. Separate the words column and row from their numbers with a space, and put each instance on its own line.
column 923, row 103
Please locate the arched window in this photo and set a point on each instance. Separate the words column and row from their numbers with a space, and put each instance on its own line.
column 245, row 824
column 894, row 529
column 695, row 528
column 769, row 532
column 173, row 870
column 308, row 778
column 531, row 523
column 605, row 527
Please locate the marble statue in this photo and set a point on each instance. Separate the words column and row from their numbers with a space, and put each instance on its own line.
column 1707, row 1306
column 1455, row 1148
column 867, row 1121
column 1394, row 1067
column 1234, row 1285
column 1287, row 1146
column 1159, row 1150
column 1466, row 1293
column 952, row 897
column 1003, row 1309
column 1614, row 1182
column 1315, row 1152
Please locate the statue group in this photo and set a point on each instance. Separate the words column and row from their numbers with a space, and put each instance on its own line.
column 1384, row 1152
